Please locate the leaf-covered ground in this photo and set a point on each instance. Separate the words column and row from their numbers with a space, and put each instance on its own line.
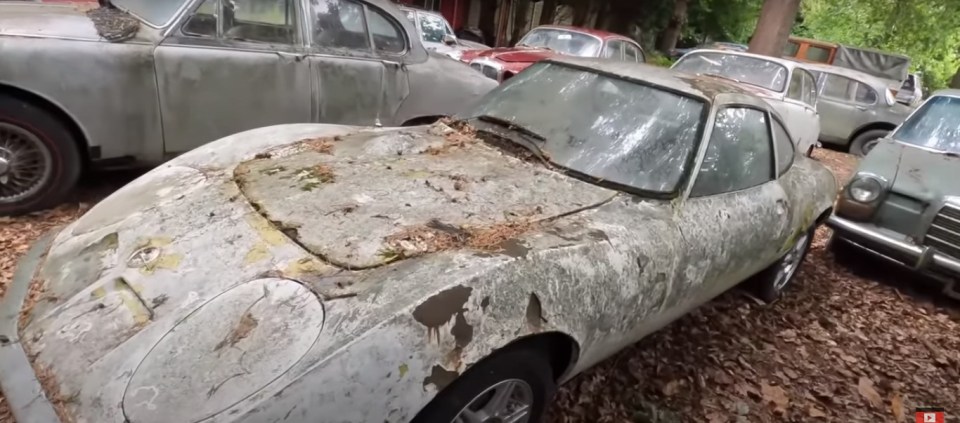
column 861, row 342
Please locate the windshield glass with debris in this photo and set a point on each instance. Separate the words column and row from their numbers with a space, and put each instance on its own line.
column 936, row 125
column 567, row 42
column 745, row 69
column 608, row 128
column 154, row 12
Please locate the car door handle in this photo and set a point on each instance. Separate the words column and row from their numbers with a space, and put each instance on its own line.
column 290, row 56
column 860, row 108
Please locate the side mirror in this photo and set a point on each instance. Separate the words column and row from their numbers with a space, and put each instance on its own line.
column 449, row 40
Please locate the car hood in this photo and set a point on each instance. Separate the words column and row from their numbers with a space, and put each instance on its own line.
column 199, row 284
column 517, row 54
column 47, row 20
column 923, row 174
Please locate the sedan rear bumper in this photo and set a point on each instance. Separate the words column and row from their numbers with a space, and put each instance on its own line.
column 18, row 381
column 887, row 245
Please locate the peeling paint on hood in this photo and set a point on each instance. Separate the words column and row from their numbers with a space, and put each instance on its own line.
column 341, row 199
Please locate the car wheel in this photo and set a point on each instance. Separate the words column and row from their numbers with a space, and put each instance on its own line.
column 771, row 282
column 863, row 143
column 510, row 386
column 39, row 161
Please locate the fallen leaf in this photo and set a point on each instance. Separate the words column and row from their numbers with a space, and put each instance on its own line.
column 671, row 388
column 813, row 411
column 896, row 407
column 775, row 395
column 866, row 389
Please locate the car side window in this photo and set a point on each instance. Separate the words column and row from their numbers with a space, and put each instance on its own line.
column 809, row 88
column 257, row 21
column 785, row 148
column 865, row 94
column 836, row 87
column 632, row 54
column 795, row 89
column 433, row 28
column 339, row 24
column 739, row 154
column 387, row 34
column 612, row 50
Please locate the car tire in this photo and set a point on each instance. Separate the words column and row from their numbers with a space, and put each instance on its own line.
column 524, row 372
column 863, row 143
column 770, row 283
column 52, row 164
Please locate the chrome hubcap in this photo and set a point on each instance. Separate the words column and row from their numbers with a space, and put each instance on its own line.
column 25, row 163
column 509, row 401
column 791, row 261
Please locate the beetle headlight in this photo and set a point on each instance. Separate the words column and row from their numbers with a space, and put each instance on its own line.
column 865, row 189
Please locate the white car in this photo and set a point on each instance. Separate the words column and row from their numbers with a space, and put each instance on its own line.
column 437, row 34
column 785, row 84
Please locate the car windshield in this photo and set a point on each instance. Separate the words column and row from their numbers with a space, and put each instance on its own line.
column 745, row 69
column 154, row 12
column 936, row 125
column 561, row 40
column 608, row 128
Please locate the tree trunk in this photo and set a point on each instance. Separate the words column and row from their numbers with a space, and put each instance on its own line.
column 488, row 19
column 774, row 26
column 667, row 40
column 548, row 12
column 522, row 8
column 955, row 81
column 581, row 9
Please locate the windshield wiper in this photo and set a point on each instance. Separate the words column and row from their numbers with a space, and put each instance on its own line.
column 525, row 140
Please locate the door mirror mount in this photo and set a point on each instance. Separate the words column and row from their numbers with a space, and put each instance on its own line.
column 449, row 40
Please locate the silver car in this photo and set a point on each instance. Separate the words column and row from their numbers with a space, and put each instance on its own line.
column 437, row 34
column 446, row 273
column 149, row 79
column 856, row 109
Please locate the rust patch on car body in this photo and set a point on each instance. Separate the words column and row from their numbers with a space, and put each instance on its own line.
column 242, row 330
column 113, row 24
column 440, row 308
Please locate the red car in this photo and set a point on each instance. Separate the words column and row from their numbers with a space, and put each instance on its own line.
column 547, row 41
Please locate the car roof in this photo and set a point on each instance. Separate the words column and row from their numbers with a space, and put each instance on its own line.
column 948, row 92
column 849, row 73
column 705, row 87
column 789, row 64
column 595, row 32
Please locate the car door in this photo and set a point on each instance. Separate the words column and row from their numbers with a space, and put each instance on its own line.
column 355, row 61
column 229, row 67
column 736, row 213
column 840, row 114
column 801, row 114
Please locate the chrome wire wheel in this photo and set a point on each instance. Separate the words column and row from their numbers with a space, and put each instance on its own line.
column 509, row 401
column 791, row 262
column 26, row 163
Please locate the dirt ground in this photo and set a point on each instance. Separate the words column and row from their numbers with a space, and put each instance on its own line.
column 861, row 342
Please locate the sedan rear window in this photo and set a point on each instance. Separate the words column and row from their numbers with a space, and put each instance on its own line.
column 609, row 128
column 561, row 40
column 745, row 69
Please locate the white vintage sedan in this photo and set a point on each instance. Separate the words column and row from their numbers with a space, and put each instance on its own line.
column 785, row 84
column 448, row 273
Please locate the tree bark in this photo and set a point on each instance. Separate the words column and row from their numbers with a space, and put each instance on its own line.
column 548, row 11
column 522, row 8
column 581, row 9
column 774, row 26
column 667, row 40
column 955, row 81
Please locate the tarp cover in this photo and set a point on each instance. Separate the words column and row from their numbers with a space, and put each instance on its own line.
column 889, row 66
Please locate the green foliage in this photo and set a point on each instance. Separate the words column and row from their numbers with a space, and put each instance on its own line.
column 926, row 30
column 723, row 20
column 657, row 59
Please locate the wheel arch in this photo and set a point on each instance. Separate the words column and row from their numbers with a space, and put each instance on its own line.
column 869, row 127
column 57, row 111
column 562, row 349
column 421, row 120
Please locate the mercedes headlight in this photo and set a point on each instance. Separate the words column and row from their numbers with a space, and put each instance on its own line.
column 865, row 189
